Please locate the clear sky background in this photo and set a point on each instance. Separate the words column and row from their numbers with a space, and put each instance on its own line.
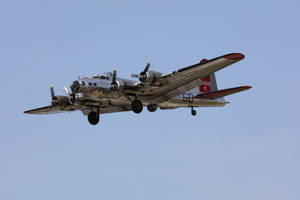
column 246, row 150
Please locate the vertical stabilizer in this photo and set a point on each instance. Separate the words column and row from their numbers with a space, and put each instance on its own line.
column 208, row 84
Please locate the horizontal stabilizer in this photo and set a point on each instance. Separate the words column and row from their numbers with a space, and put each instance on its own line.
column 222, row 93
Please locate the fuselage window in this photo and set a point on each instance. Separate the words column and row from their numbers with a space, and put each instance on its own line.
column 94, row 84
column 90, row 83
column 83, row 83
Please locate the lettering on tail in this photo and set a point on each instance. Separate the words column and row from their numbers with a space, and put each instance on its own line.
column 205, row 85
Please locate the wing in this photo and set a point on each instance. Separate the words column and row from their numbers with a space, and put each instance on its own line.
column 185, row 79
column 49, row 110
column 112, row 109
column 87, row 106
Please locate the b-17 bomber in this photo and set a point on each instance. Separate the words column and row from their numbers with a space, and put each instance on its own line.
column 191, row 87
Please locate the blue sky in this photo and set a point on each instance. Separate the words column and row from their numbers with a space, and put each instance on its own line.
column 246, row 150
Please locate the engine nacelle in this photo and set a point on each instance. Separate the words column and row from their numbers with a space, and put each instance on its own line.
column 60, row 101
column 150, row 77
column 117, row 85
column 75, row 86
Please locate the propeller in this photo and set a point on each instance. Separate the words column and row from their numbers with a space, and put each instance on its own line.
column 61, row 100
column 67, row 91
column 70, row 95
column 114, row 76
column 143, row 75
column 54, row 100
column 114, row 84
column 147, row 67
column 52, row 92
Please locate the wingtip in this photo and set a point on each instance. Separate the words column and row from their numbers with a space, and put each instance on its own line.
column 247, row 87
column 235, row 56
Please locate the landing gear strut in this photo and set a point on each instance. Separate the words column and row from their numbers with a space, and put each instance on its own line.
column 194, row 112
column 137, row 106
column 93, row 118
column 152, row 107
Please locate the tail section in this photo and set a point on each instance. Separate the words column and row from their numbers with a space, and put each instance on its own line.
column 208, row 89
column 205, row 85
column 208, row 84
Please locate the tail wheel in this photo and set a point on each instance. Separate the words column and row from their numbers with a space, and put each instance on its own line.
column 137, row 106
column 194, row 112
column 93, row 118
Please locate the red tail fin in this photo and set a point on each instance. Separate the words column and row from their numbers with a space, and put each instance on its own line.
column 205, row 85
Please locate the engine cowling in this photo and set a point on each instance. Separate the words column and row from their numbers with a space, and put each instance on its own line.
column 149, row 77
column 117, row 85
column 75, row 86
column 60, row 101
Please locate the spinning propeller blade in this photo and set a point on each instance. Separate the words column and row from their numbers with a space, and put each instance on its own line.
column 66, row 91
column 52, row 92
column 114, row 76
column 147, row 67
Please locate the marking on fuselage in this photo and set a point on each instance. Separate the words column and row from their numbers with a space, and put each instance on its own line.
column 188, row 98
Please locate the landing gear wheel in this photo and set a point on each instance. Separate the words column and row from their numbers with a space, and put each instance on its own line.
column 93, row 118
column 194, row 113
column 152, row 107
column 137, row 106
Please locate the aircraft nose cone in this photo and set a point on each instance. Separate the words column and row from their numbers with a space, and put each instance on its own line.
column 234, row 56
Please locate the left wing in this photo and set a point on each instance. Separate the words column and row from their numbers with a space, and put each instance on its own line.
column 85, row 108
column 112, row 109
column 49, row 110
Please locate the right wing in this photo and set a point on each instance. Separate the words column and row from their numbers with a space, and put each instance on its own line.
column 185, row 79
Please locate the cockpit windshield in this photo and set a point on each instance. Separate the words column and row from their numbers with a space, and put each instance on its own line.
column 107, row 74
column 104, row 77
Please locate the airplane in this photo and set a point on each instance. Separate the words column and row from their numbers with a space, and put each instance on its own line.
column 190, row 87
